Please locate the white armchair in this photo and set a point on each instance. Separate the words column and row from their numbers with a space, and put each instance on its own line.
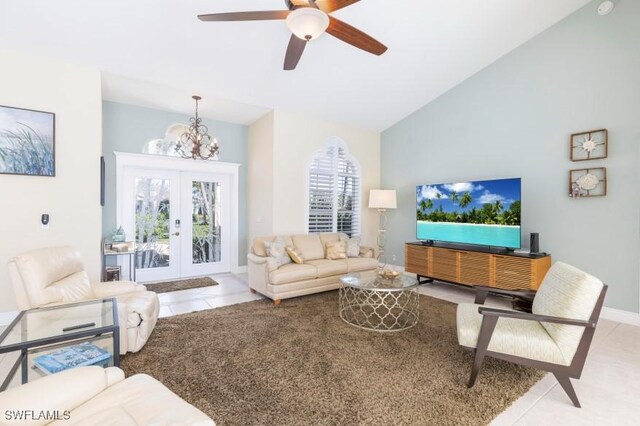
column 555, row 337
column 97, row 396
column 56, row 275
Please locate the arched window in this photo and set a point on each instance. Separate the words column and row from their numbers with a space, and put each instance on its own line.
column 334, row 190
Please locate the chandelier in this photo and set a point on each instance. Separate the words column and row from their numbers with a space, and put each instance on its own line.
column 196, row 143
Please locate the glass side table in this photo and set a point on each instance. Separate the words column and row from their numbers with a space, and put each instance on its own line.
column 44, row 330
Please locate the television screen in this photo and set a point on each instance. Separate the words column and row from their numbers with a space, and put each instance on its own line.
column 478, row 212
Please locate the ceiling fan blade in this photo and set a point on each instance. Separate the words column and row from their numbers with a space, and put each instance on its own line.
column 355, row 37
column 294, row 52
column 264, row 15
column 333, row 5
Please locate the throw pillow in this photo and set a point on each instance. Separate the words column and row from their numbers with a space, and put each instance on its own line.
column 277, row 250
column 336, row 250
column 353, row 246
column 295, row 254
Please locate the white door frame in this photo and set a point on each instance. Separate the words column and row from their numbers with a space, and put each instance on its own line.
column 125, row 160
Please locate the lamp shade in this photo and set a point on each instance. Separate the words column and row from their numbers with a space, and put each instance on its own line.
column 307, row 23
column 382, row 199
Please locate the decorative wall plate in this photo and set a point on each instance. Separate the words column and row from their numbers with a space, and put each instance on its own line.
column 589, row 145
column 588, row 182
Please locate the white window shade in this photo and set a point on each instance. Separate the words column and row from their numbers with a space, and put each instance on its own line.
column 334, row 191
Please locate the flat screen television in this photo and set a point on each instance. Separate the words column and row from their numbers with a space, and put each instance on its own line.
column 475, row 212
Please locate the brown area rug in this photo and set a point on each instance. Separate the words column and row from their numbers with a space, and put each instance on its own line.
column 300, row 364
column 169, row 286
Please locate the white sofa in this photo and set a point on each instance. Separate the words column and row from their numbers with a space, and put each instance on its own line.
column 97, row 396
column 316, row 274
column 55, row 275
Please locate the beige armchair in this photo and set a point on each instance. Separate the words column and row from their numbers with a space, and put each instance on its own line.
column 97, row 396
column 555, row 337
column 56, row 275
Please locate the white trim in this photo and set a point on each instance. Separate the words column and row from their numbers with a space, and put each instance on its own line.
column 618, row 315
column 7, row 317
column 241, row 270
column 126, row 159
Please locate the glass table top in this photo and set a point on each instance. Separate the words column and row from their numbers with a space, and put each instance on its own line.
column 60, row 320
column 373, row 281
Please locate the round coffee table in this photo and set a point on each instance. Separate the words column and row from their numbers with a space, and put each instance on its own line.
column 371, row 302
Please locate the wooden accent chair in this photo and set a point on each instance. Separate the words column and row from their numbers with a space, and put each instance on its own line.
column 555, row 337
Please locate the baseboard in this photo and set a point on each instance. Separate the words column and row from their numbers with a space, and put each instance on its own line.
column 240, row 270
column 618, row 315
column 7, row 317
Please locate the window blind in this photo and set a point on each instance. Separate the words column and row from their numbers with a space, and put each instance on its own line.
column 334, row 192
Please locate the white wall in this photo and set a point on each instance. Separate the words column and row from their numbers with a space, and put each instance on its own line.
column 514, row 118
column 260, row 177
column 72, row 197
column 295, row 138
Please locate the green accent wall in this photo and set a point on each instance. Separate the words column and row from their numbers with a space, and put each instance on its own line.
column 514, row 118
column 127, row 128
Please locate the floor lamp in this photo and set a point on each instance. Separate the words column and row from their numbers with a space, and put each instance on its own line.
column 382, row 199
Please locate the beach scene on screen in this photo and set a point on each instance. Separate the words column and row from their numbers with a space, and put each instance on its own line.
column 475, row 212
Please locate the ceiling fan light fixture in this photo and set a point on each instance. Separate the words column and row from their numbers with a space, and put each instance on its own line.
column 307, row 23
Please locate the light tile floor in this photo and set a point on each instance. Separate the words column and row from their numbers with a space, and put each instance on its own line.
column 609, row 389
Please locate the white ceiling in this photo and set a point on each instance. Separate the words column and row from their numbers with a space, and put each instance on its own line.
column 155, row 53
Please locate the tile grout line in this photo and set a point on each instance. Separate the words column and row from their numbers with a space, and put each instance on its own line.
column 536, row 402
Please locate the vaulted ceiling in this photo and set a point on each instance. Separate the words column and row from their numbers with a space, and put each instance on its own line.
column 157, row 53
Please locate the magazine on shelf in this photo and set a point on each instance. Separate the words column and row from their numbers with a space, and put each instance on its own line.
column 70, row 357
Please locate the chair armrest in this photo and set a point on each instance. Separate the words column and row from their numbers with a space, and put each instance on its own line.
column 367, row 251
column 483, row 291
column 533, row 317
column 115, row 288
column 54, row 392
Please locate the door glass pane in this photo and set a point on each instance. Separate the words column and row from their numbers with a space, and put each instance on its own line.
column 206, row 222
column 152, row 223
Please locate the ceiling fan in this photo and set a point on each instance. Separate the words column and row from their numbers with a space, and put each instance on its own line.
column 307, row 20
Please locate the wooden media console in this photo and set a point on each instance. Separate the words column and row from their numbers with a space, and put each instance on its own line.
column 471, row 266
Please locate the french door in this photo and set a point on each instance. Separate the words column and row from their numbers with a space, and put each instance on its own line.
column 180, row 221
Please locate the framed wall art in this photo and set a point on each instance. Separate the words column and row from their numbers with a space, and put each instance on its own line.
column 27, row 142
column 588, row 182
column 589, row 145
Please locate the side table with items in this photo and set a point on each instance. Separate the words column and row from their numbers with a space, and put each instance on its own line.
column 113, row 249
column 56, row 338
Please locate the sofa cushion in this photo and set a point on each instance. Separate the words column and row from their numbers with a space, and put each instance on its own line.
column 293, row 272
column 523, row 338
column 278, row 250
column 359, row 264
column 295, row 254
column 309, row 245
column 328, row 268
column 328, row 237
column 353, row 246
column 336, row 250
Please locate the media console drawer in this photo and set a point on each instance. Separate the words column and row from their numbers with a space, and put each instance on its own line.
column 476, row 267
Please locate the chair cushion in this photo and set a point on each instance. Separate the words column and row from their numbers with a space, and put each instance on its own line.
column 359, row 264
column 139, row 400
column 526, row 339
column 309, row 245
column 293, row 272
column 328, row 268
column 53, row 275
column 567, row 292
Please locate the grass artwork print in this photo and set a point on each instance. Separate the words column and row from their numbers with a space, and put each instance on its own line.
column 479, row 212
column 27, row 142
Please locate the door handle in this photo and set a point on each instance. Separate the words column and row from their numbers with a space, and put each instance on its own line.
column 176, row 234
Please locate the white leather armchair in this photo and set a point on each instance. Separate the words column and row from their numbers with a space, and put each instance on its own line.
column 56, row 275
column 97, row 396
